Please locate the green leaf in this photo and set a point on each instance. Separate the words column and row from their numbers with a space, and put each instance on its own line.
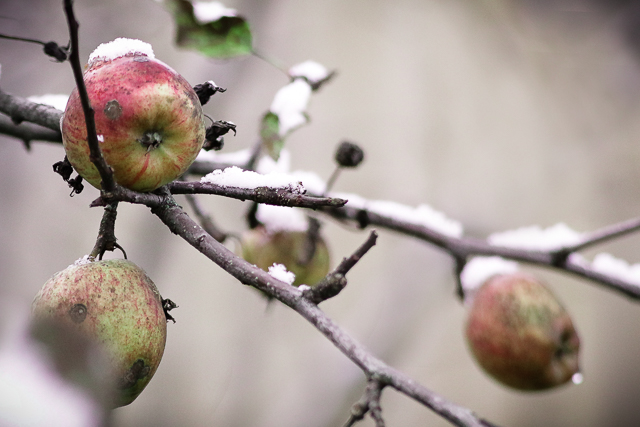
column 270, row 134
column 227, row 37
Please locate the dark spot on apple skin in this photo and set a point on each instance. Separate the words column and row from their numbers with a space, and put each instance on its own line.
column 137, row 371
column 78, row 313
column 113, row 110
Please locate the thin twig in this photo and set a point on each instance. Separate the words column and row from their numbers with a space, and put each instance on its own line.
column 205, row 219
column 106, row 240
column 335, row 281
column 28, row 131
column 106, row 175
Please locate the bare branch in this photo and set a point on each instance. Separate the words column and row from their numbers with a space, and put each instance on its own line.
column 179, row 223
column 28, row 131
column 22, row 110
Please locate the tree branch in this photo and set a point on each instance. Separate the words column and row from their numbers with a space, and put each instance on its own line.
column 460, row 248
column 335, row 281
column 22, row 110
column 271, row 196
column 179, row 223
column 28, row 132
column 106, row 175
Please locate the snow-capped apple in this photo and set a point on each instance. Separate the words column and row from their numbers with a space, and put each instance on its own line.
column 149, row 120
column 521, row 335
column 115, row 304
column 289, row 248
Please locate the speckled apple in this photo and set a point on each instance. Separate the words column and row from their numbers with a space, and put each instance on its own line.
column 148, row 118
column 521, row 335
column 116, row 304
column 264, row 248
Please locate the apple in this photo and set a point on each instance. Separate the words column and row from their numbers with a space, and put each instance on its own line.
column 521, row 335
column 115, row 304
column 148, row 118
column 264, row 248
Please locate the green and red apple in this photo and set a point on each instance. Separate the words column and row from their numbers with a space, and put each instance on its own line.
column 149, row 120
column 115, row 304
column 521, row 335
column 265, row 248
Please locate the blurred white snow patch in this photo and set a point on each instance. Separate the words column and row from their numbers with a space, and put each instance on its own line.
column 537, row 238
column 423, row 215
column 311, row 181
column 31, row 391
column 120, row 47
column 57, row 100
column 608, row 264
column 310, row 70
column 211, row 11
column 282, row 218
column 235, row 158
column 289, row 104
column 303, row 288
column 480, row 268
column 235, row 177
column 266, row 164
column 280, row 272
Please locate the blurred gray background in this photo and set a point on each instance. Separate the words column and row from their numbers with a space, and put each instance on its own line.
column 499, row 113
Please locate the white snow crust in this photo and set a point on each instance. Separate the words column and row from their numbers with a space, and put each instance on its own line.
column 235, row 177
column 282, row 218
column 120, row 47
column 280, row 272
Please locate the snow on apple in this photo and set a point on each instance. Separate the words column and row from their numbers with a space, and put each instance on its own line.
column 149, row 116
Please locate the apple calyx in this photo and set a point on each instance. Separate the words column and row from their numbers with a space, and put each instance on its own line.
column 521, row 335
column 151, row 140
